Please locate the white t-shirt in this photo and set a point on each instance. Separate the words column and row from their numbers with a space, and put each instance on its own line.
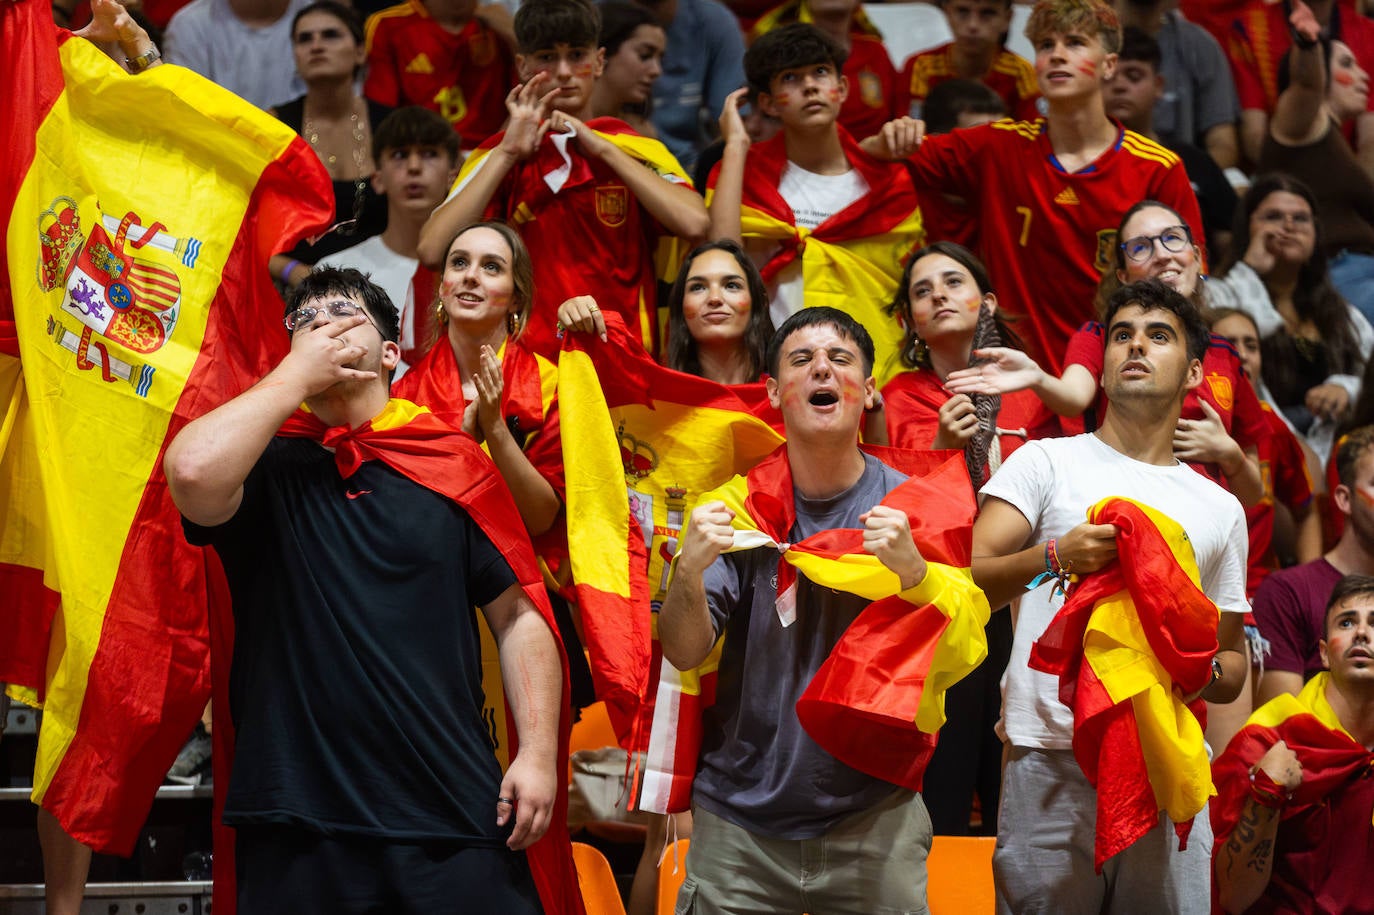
column 253, row 63
column 393, row 272
column 814, row 199
column 1053, row 482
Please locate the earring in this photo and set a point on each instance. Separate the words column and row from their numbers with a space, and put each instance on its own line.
column 440, row 314
column 920, row 353
column 512, row 324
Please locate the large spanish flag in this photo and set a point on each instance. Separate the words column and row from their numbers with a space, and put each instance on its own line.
column 141, row 211
column 641, row 443
column 854, row 259
column 1129, row 641
column 878, row 700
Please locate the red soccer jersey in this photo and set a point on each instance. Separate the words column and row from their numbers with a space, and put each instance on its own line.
column 1283, row 468
column 412, row 60
column 875, row 89
column 1047, row 235
column 1258, row 39
column 1011, row 77
column 591, row 236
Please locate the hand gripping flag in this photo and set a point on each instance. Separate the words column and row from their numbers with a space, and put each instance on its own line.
column 1129, row 642
column 434, row 454
column 878, row 700
column 140, row 212
column 641, row 443
column 853, row 260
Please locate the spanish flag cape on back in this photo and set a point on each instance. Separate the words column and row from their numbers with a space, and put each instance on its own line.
column 139, row 214
column 432, row 453
column 641, row 443
column 1128, row 642
column 559, row 168
column 1330, row 757
column 854, row 259
column 878, row 700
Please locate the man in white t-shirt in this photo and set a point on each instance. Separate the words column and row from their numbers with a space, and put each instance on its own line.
column 416, row 152
column 1047, row 827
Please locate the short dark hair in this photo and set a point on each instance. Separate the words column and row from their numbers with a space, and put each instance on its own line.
column 943, row 3
column 954, row 97
column 414, row 126
column 788, row 47
column 541, row 25
column 820, row 315
column 1139, row 45
column 1152, row 295
column 1348, row 587
column 340, row 11
column 346, row 281
column 1349, row 449
column 619, row 20
column 682, row 353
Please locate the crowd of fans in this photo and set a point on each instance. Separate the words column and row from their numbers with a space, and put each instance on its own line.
column 509, row 174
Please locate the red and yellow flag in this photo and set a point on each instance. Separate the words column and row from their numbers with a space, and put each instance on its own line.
column 854, row 259
column 1129, row 641
column 141, row 214
column 641, row 443
column 878, row 700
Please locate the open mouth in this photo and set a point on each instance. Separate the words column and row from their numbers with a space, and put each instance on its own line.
column 824, row 399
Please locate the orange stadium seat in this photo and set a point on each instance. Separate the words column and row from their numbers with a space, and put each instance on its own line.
column 959, row 876
column 600, row 894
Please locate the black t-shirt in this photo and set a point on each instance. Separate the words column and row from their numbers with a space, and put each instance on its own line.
column 356, row 680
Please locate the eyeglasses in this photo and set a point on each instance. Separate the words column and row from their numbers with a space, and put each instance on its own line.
column 1278, row 217
column 339, row 308
column 1173, row 239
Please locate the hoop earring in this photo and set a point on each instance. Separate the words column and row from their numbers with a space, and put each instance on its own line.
column 920, row 353
column 440, row 314
column 512, row 324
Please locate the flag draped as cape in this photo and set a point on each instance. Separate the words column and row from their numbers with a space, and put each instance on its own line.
column 1128, row 642
column 433, row 454
column 853, row 260
column 140, row 212
column 878, row 700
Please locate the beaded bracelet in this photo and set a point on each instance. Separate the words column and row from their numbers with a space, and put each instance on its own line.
column 1265, row 791
column 1053, row 569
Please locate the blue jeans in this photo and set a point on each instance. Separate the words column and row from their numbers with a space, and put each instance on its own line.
column 1353, row 276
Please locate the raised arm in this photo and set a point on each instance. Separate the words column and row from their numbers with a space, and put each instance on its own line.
column 727, row 195
column 677, row 207
column 529, row 111
column 111, row 27
column 1005, row 370
column 684, row 622
column 209, row 460
column 1206, row 441
column 1300, row 113
column 533, row 678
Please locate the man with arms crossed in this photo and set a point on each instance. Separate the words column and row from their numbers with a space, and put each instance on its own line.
column 1047, row 826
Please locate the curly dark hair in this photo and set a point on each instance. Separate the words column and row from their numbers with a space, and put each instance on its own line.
column 346, row 281
column 786, row 47
column 1152, row 295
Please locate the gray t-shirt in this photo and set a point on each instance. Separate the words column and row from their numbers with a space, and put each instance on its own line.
column 759, row 769
column 1198, row 91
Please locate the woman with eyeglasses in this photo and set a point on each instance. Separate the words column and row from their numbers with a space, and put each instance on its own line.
column 1314, row 343
column 1222, row 422
column 327, row 41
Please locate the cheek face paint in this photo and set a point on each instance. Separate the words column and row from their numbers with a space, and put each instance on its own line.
column 781, row 99
column 1087, row 69
column 1365, row 496
column 851, row 390
column 1343, row 78
column 584, row 71
column 835, row 94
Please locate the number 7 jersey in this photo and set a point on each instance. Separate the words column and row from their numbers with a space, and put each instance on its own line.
column 1046, row 235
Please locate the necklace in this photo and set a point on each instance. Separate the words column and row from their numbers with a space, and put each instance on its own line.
column 359, row 135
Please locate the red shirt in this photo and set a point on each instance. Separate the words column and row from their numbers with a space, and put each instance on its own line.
column 1047, row 235
column 1258, row 40
column 875, row 89
column 591, row 237
column 1011, row 77
column 412, row 60
column 1283, row 468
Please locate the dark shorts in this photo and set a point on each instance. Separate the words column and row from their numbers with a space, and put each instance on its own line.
column 293, row 871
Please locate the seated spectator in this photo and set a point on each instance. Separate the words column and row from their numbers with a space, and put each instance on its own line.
column 417, row 157
column 441, row 55
column 952, row 104
column 1314, row 343
column 1289, row 604
column 1304, row 141
column 1198, row 105
column 1133, row 96
column 1291, row 816
column 1259, row 39
column 337, row 123
column 633, row 41
column 592, row 200
column 978, row 52
column 244, row 45
column 701, row 66
column 875, row 90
